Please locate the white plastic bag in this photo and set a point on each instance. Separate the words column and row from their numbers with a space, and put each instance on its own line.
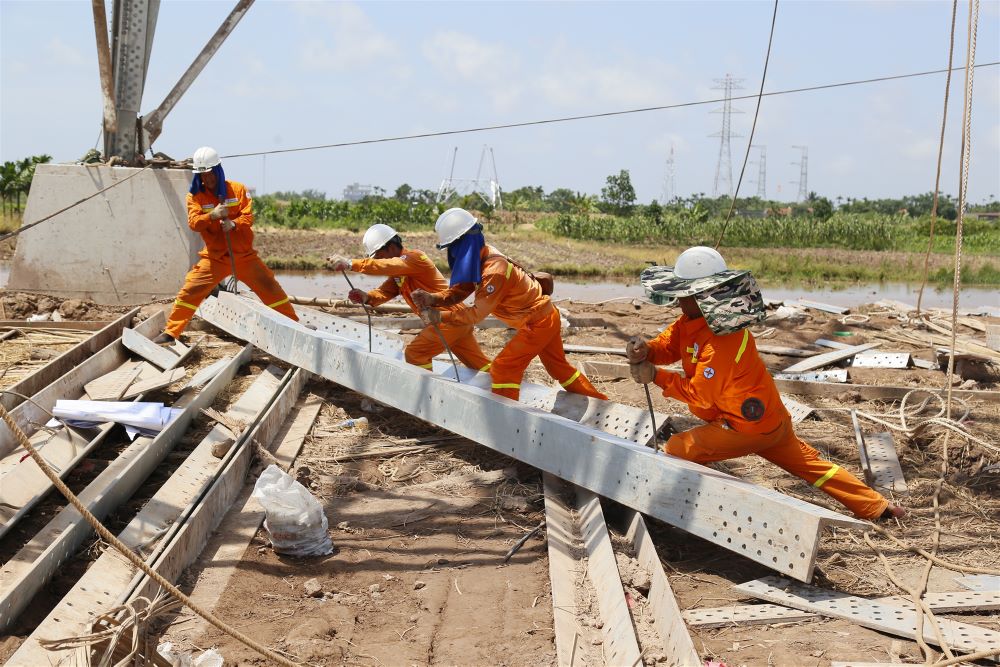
column 295, row 520
column 209, row 658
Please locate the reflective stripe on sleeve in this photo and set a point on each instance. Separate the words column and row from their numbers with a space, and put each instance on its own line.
column 743, row 345
column 571, row 380
column 184, row 304
column 826, row 478
column 486, row 367
column 510, row 269
column 505, row 386
column 278, row 303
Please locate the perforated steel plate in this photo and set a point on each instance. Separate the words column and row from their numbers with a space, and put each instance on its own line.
column 881, row 360
column 839, row 375
column 798, row 411
column 869, row 613
column 882, row 461
column 980, row 582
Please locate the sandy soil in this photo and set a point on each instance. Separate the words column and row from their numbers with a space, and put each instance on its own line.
column 417, row 578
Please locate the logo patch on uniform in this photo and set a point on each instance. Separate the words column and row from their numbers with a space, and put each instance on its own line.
column 709, row 372
column 490, row 289
column 402, row 256
column 752, row 409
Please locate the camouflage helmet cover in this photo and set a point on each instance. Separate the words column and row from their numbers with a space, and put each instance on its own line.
column 730, row 300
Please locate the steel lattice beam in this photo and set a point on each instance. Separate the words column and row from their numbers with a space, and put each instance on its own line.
column 763, row 525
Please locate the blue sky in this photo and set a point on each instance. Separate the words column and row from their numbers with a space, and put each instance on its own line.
column 305, row 73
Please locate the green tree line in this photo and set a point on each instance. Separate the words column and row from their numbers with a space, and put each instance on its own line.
column 15, row 181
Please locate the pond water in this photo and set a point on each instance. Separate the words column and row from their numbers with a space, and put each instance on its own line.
column 321, row 284
column 324, row 284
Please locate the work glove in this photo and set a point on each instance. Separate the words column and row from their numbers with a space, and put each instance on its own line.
column 430, row 316
column 227, row 225
column 338, row 263
column 219, row 212
column 357, row 296
column 422, row 298
column 643, row 372
column 636, row 349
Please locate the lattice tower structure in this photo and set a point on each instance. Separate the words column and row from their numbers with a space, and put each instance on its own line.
column 803, row 181
column 761, row 171
column 724, row 166
column 669, row 184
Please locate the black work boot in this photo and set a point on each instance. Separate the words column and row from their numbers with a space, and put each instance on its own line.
column 164, row 339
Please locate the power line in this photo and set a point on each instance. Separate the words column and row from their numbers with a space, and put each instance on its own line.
column 605, row 114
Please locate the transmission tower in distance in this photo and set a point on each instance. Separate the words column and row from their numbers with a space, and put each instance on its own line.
column 803, row 173
column 724, row 166
column 669, row 186
column 761, row 171
column 486, row 187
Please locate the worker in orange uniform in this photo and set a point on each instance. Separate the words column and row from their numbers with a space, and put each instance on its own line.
column 726, row 383
column 408, row 270
column 505, row 290
column 218, row 209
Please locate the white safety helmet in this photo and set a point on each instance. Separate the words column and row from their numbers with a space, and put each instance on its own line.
column 452, row 224
column 699, row 262
column 204, row 159
column 376, row 237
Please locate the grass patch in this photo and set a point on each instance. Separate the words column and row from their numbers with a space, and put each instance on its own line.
column 9, row 222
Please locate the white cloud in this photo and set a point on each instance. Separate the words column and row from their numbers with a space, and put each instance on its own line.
column 568, row 78
column 920, row 149
column 65, row 55
column 353, row 40
column 461, row 56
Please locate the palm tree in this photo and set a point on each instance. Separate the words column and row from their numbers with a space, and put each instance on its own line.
column 583, row 204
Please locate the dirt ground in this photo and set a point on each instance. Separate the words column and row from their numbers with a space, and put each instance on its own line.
column 417, row 577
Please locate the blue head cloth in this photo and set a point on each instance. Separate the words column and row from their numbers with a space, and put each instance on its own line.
column 464, row 259
column 220, row 187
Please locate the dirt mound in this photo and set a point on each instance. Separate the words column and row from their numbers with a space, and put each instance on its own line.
column 21, row 305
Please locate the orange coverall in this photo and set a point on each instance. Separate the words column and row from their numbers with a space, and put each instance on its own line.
column 410, row 271
column 517, row 300
column 727, row 383
column 214, row 264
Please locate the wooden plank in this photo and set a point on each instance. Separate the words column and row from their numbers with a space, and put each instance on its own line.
column 27, row 571
column 873, row 392
column 871, row 614
column 564, row 567
column 592, row 349
column 224, row 552
column 161, row 356
column 107, row 582
column 29, row 415
column 828, row 358
column 677, row 645
column 62, row 364
column 825, row 307
column 112, row 386
column 993, row 337
column 763, row 614
column 71, row 325
column 621, row 647
column 158, row 381
column 786, row 351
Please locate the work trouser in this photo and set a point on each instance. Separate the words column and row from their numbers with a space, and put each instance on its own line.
column 207, row 273
column 541, row 339
column 783, row 448
column 461, row 340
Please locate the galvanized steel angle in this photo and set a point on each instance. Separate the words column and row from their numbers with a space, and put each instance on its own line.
column 869, row 613
column 881, row 360
column 764, row 525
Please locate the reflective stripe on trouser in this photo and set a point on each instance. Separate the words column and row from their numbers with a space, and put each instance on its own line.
column 206, row 274
column 541, row 339
column 461, row 340
column 783, row 448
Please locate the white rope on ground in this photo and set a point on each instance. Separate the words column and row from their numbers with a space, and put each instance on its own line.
column 939, row 419
column 123, row 549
